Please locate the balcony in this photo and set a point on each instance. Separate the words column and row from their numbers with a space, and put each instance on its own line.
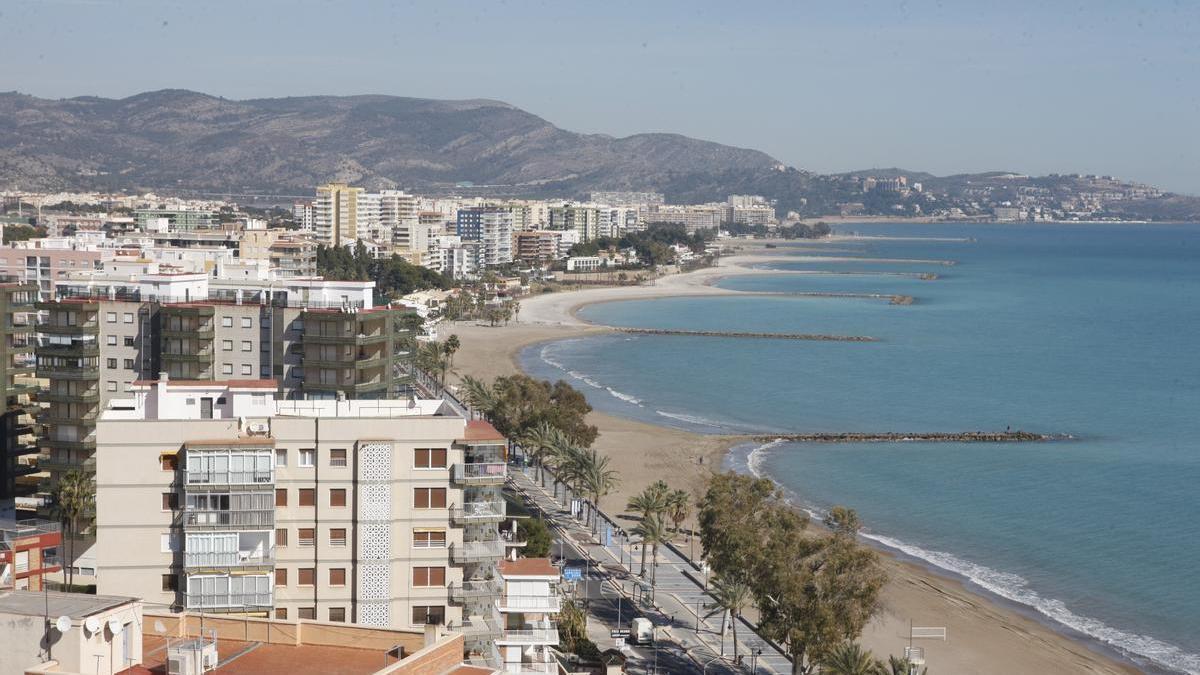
column 88, row 348
column 199, row 355
column 242, row 519
column 86, row 328
column 548, row 668
column 222, row 560
column 222, row 478
column 545, row 604
column 537, row 634
column 228, row 601
column 54, row 465
column 478, row 512
column 480, row 473
column 472, row 590
column 476, row 551
column 90, row 395
column 203, row 332
column 57, row 372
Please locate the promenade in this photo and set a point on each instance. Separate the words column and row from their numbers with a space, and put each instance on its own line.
column 676, row 605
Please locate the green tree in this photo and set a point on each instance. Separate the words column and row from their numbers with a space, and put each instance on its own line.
column 679, row 507
column 649, row 503
column 652, row 531
column 479, row 395
column 537, row 537
column 733, row 526
column 75, row 503
column 898, row 665
column 731, row 596
column 849, row 658
column 451, row 347
column 597, row 479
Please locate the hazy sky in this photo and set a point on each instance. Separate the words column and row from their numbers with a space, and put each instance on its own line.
column 1087, row 86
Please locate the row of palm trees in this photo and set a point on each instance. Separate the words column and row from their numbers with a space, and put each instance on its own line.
column 582, row 470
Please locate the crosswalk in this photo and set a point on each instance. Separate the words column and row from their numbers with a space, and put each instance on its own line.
column 679, row 596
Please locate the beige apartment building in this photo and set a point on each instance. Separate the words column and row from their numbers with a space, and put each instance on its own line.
column 214, row 496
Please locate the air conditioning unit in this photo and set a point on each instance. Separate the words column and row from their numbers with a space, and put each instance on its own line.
column 259, row 428
column 192, row 657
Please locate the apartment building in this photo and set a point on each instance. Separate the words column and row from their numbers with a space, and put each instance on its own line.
column 537, row 246
column 17, row 430
column 584, row 220
column 215, row 496
column 335, row 214
column 31, row 263
column 102, row 333
column 28, row 552
column 175, row 220
column 492, row 227
column 529, row 604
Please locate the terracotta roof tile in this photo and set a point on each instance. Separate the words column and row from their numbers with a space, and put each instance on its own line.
column 528, row 567
column 481, row 430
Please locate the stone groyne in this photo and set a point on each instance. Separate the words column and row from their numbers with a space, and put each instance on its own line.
column 929, row 437
column 737, row 334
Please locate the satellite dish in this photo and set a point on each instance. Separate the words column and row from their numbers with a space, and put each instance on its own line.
column 114, row 626
column 159, row 627
column 63, row 624
column 92, row 624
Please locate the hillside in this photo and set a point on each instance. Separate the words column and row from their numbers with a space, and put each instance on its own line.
column 183, row 139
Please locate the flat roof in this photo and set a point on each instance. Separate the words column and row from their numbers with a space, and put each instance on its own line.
column 271, row 659
column 212, row 384
column 528, row 567
column 74, row 605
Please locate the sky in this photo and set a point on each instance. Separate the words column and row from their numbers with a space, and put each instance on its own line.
column 1088, row 86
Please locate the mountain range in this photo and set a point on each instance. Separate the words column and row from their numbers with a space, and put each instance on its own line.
column 183, row 141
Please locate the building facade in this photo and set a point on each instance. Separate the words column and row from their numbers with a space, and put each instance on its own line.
column 18, row 444
column 335, row 214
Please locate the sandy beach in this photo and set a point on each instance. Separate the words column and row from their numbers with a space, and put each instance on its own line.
column 985, row 635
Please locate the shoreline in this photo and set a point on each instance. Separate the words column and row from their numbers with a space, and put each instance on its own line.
column 987, row 632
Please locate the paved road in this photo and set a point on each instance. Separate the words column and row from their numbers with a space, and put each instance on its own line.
column 679, row 599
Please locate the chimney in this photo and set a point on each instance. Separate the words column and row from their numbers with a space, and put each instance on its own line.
column 432, row 634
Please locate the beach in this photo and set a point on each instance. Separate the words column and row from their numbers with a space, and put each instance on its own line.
column 984, row 634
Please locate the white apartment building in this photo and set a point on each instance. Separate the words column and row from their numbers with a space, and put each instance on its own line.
column 528, row 606
column 214, row 496
column 335, row 214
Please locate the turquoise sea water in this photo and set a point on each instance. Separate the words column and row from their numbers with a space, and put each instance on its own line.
column 1090, row 330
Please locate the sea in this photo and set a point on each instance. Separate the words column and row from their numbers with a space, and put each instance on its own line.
column 1086, row 330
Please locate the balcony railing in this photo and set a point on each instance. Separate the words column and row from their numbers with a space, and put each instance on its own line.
column 468, row 590
column 248, row 519
column 549, row 604
column 476, row 551
column 531, row 668
column 540, row 635
column 478, row 512
column 26, row 528
column 228, row 600
column 229, row 558
column 230, row 477
column 480, row 473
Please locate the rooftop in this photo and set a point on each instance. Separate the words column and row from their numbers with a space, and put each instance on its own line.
column 528, row 567
column 74, row 605
column 256, row 657
column 481, row 430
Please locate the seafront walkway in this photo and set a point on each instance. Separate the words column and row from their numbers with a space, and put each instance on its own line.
column 677, row 602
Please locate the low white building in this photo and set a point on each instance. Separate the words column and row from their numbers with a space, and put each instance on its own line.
column 529, row 604
column 98, row 634
column 583, row 263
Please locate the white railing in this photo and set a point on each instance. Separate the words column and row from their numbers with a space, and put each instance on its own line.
column 227, row 558
column 255, row 518
column 531, row 668
column 530, row 636
column 480, row 472
column 228, row 600
column 531, row 603
column 230, row 477
column 478, row 512
column 476, row 550
column 475, row 589
column 928, row 633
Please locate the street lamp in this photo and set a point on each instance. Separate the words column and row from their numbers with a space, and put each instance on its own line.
column 754, row 660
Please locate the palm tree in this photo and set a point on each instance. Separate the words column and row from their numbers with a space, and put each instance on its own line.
column 652, row 532
column 597, row 480
column 75, row 501
column 731, row 597
column 849, row 658
column 902, row 666
column 679, row 507
column 650, row 503
column 479, row 395
column 538, row 442
column 451, row 347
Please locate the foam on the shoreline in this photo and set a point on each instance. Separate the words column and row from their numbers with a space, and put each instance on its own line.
column 583, row 377
column 749, row 458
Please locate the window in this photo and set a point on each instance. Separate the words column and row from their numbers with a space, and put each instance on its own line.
column 169, row 543
column 226, row 368
column 306, row 613
column 247, row 346
column 308, row 497
column 281, row 613
column 170, row 501
column 280, row 496
column 280, row 456
column 111, row 385
column 168, row 462
column 128, row 340
column 429, row 498
column 111, row 317
column 281, row 536
column 429, row 539
column 264, row 371
column 337, row 457
column 247, row 322
column 337, row 576
column 337, row 536
column 112, row 363
column 306, row 577
column 306, row 536
column 337, row 614
column 128, row 364
column 429, row 576
column 308, row 457
column 435, row 614
column 128, row 317
column 227, row 345
column 337, row 497
column 170, row 582
column 247, row 369
column 281, row 576
column 430, row 458
column 227, row 321
column 111, row 340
